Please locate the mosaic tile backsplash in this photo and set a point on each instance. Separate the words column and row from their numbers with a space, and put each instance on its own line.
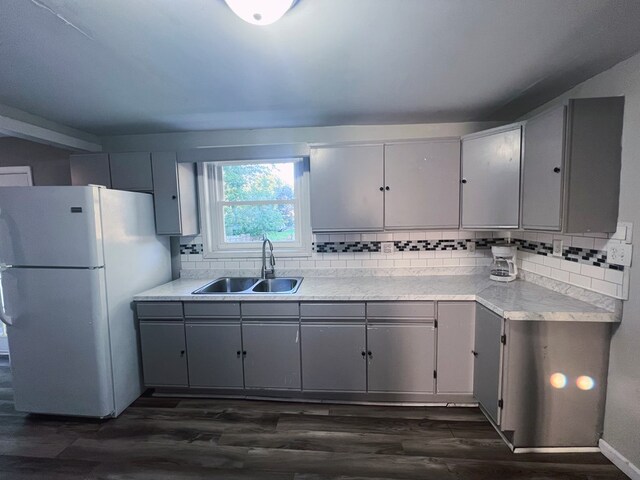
column 583, row 262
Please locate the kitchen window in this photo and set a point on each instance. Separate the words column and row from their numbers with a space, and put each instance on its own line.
column 244, row 201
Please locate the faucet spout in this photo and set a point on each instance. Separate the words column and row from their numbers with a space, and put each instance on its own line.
column 268, row 272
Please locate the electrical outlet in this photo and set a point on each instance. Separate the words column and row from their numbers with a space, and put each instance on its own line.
column 557, row 247
column 471, row 247
column 619, row 254
column 387, row 247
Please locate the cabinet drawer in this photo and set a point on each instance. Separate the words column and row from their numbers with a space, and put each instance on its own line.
column 401, row 310
column 160, row 310
column 212, row 309
column 332, row 310
column 270, row 309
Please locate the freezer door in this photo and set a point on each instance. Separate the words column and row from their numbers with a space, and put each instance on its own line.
column 50, row 226
column 59, row 341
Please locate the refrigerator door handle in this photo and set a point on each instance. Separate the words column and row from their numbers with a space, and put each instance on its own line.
column 6, row 319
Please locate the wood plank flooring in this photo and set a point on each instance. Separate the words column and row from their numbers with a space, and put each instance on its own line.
column 167, row 438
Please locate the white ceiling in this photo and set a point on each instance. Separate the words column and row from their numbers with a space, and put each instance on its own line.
column 122, row 66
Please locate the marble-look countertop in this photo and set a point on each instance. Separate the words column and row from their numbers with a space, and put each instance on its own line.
column 518, row 300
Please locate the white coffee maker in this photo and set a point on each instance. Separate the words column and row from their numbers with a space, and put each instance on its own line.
column 503, row 267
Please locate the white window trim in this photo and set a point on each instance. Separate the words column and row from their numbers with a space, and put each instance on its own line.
column 210, row 193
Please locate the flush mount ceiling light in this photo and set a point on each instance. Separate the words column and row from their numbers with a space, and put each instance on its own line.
column 260, row 12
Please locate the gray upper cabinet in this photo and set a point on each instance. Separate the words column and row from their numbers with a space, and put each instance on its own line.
column 491, row 178
column 131, row 171
column 456, row 326
column 92, row 168
column 347, row 191
column 174, row 194
column 422, row 185
column 571, row 168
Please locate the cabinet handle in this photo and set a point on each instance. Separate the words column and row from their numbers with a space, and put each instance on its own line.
column 244, row 353
column 464, row 180
column 475, row 354
column 238, row 353
column 364, row 354
column 382, row 189
column 557, row 169
column 173, row 197
column 387, row 188
column 370, row 354
column 182, row 353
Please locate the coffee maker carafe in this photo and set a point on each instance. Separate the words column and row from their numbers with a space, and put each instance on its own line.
column 503, row 267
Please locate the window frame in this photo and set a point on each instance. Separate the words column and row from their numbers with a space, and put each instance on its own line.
column 212, row 205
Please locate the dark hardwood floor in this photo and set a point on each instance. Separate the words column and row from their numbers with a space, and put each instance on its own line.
column 160, row 438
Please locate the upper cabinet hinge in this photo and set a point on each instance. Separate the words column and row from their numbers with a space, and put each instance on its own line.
column 503, row 339
column 435, row 374
column 500, row 403
column 435, row 324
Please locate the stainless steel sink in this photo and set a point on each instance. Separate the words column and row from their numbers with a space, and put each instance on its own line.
column 277, row 285
column 249, row 285
column 228, row 285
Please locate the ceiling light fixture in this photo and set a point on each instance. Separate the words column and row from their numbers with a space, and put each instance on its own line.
column 260, row 12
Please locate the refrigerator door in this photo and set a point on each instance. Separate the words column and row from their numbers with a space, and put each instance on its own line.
column 50, row 227
column 59, row 340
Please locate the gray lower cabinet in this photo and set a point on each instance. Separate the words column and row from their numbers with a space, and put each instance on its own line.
column 272, row 358
column 214, row 354
column 456, row 327
column 164, row 358
column 175, row 195
column 487, row 366
column 422, row 184
column 401, row 358
column 571, row 167
column 334, row 357
column 491, row 178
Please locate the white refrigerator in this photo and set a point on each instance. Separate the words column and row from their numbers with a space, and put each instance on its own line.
column 71, row 259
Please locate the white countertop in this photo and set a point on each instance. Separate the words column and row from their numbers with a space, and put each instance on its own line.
column 518, row 300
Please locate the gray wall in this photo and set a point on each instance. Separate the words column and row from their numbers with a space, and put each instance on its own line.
column 622, row 417
column 49, row 165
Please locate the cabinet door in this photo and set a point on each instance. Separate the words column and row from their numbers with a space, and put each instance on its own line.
column 174, row 195
column 423, row 181
column 333, row 357
column 347, row 191
column 401, row 358
column 272, row 357
column 456, row 324
column 543, row 165
column 491, row 180
column 90, row 169
column 487, row 366
column 131, row 171
column 164, row 360
column 215, row 355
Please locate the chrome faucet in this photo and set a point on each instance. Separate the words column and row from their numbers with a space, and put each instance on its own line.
column 271, row 272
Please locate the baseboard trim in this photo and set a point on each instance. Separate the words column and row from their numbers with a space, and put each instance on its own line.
column 556, row 450
column 619, row 460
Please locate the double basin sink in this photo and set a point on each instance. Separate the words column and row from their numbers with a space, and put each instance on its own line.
column 249, row 285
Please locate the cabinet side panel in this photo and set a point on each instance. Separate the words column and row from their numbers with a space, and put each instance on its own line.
column 486, row 369
column 546, row 411
column 188, row 198
column 594, row 154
